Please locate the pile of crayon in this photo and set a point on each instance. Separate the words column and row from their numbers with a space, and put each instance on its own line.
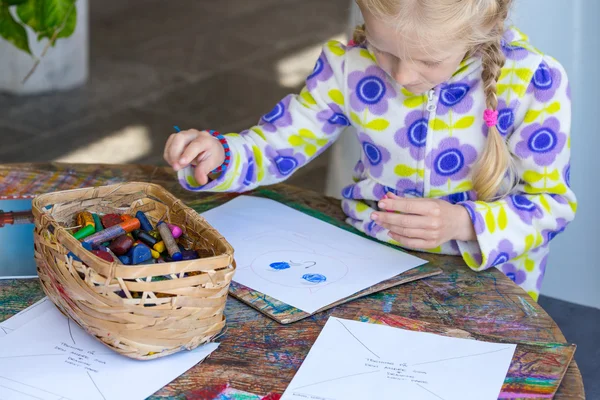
column 130, row 240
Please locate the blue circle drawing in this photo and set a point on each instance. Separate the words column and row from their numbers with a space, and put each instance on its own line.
column 348, row 191
column 370, row 90
column 449, row 162
column 542, row 79
column 373, row 153
column 314, row 278
column 339, row 119
column 542, row 141
column 279, row 265
column 276, row 113
column 286, row 165
column 453, row 94
column 501, row 259
column 417, row 133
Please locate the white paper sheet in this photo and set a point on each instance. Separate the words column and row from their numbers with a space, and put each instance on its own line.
column 46, row 356
column 298, row 259
column 25, row 316
column 356, row 360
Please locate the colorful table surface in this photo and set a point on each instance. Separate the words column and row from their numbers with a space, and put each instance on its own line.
column 258, row 357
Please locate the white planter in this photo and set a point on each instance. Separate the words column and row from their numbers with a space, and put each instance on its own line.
column 64, row 66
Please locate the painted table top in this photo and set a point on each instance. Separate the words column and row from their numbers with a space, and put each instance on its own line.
column 258, row 357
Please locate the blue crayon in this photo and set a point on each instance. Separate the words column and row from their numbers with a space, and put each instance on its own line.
column 144, row 222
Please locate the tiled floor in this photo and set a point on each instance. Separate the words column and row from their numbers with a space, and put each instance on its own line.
column 204, row 64
column 194, row 63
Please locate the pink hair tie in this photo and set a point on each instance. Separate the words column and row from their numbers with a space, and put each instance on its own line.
column 490, row 117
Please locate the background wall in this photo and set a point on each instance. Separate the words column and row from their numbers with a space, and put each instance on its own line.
column 569, row 31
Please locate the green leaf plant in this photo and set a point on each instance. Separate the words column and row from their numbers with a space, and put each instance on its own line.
column 49, row 19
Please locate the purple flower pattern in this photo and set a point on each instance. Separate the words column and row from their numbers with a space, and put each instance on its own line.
column 370, row 90
column 321, row 73
column 333, row 119
column 413, row 135
column 524, row 208
column 375, row 155
column 451, row 160
column 278, row 117
column 457, row 96
column 545, row 82
column 542, row 142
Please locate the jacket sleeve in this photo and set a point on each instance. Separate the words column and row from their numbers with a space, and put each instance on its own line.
column 543, row 203
column 295, row 131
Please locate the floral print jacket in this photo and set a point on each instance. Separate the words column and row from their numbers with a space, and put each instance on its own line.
column 426, row 146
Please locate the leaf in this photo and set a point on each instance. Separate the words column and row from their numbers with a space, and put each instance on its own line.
column 504, row 73
column 310, row 150
column 356, row 119
column 437, row 193
column 308, row 98
column 519, row 89
column 464, row 187
column 532, row 176
column 258, row 160
column 558, row 189
column 534, row 295
column 259, row 132
column 378, row 124
column 360, row 207
column 524, row 74
column 336, row 48
column 296, row 141
column 554, row 175
column 490, row 221
column 502, row 219
column 464, row 123
column 529, row 265
column 414, row 101
column 545, row 204
column 305, row 133
column 470, row 261
column 539, row 239
column 553, row 108
column 529, row 239
column 12, row 31
column 337, row 96
column 404, row 170
column 439, row 125
column 532, row 115
column 364, row 53
column 573, row 205
column 46, row 17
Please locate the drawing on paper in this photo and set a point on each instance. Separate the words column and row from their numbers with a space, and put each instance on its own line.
column 299, row 270
column 425, row 371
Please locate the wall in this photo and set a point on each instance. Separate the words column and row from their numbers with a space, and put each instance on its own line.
column 569, row 31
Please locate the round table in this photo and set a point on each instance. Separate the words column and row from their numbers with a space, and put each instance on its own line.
column 259, row 355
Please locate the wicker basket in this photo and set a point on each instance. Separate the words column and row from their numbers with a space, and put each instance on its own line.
column 145, row 311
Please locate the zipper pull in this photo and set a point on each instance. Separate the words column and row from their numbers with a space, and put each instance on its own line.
column 431, row 103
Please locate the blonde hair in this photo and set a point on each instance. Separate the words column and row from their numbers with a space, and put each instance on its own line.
column 479, row 23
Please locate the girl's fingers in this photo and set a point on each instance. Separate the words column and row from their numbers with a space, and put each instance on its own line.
column 410, row 206
column 412, row 243
column 193, row 151
column 411, row 232
column 406, row 220
column 179, row 143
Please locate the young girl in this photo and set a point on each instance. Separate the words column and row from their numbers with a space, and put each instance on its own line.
column 464, row 129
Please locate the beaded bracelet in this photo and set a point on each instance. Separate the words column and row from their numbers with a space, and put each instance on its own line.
column 227, row 161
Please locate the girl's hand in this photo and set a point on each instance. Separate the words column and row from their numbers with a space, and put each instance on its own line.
column 424, row 223
column 198, row 148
